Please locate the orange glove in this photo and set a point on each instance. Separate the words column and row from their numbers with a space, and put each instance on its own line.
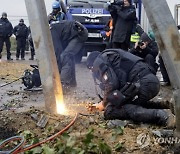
column 99, row 106
column 95, row 107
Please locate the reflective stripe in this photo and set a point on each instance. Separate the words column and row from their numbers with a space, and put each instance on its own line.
column 135, row 37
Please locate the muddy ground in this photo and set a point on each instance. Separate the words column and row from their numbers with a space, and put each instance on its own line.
column 20, row 111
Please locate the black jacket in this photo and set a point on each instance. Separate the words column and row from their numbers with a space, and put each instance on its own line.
column 67, row 30
column 20, row 31
column 124, row 19
column 6, row 28
column 152, row 49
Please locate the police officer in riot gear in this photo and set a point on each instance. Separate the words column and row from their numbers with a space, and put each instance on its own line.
column 128, row 84
column 68, row 39
column 5, row 34
column 21, row 33
column 57, row 14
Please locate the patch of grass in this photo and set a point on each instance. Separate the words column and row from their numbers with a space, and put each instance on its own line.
column 13, row 44
column 70, row 144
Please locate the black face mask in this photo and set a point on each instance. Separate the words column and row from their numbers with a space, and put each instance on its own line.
column 21, row 23
column 4, row 17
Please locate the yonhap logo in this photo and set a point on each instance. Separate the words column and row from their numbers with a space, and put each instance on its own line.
column 143, row 140
column 167, row 140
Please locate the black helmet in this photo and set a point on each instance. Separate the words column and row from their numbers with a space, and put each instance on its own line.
column 21, row 20
column 4, row 14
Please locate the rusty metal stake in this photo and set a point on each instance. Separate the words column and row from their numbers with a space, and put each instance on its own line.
column 168, row 39
column 45, row 53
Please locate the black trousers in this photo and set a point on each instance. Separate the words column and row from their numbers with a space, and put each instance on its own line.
column 5, row 40
column 136, row 109
column 136, row 113
column 149, row 88
column 149, row 85
column 65, row 57
column 163, row 70
column 68, row 76
column 151, row 61
column 31, row 44
column 118, row 45
column 21, row 44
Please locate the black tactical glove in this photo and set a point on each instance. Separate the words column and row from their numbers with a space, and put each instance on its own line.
column 119, row 98
column 78, row 26
column 130, row 90
column 116, row 98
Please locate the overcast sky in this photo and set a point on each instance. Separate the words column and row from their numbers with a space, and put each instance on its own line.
column 16, row 10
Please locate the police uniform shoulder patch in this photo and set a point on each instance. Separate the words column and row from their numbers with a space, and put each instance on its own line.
column 105, row 76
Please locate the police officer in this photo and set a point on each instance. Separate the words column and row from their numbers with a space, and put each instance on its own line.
column 124, row 18
column 5, row 34
column 147, row 49
column 128, row 85
column 57, row 14
column 31, row 44
column 21, row 33
column 68, row 39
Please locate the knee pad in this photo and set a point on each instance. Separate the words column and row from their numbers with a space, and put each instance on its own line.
column 112, row 112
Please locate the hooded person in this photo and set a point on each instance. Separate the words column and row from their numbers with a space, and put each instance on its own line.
column 128, row 84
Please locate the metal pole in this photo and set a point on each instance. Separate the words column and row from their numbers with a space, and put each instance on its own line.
column 168, row 39
column 49, row 73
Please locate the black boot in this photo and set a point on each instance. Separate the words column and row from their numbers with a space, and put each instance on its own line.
column 166, row 118
column 9, row 58
column 32, row 58
column 73, row 83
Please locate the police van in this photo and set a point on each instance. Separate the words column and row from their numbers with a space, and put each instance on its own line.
column 93, row 15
